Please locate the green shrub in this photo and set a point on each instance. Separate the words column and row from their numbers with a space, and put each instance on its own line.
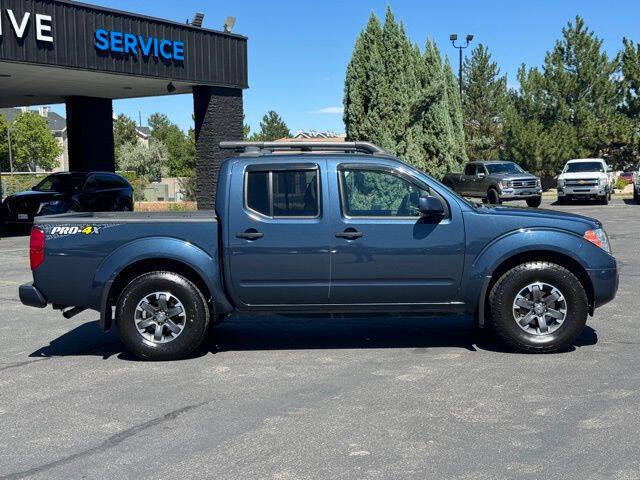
column 620, row 184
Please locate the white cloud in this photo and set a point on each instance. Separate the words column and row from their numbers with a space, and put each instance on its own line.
column 330, row 111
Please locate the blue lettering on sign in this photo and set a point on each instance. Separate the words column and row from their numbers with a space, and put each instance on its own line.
column 130, row 44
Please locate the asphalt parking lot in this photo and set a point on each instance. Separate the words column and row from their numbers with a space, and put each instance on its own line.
column 282, row 398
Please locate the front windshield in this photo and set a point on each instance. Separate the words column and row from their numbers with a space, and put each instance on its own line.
column 578, row 167
column 506, row 167
column 59, row 183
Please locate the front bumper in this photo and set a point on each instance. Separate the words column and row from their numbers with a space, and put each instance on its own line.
column 605, row 285
column 31, row 296
column 519, row 193
column 599, row 191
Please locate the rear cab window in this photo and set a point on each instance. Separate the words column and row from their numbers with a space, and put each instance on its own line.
column 291, row 191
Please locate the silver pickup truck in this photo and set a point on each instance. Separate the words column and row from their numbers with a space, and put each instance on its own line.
column 495, row 182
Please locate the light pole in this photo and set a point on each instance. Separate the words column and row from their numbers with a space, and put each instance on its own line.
column 453, row 37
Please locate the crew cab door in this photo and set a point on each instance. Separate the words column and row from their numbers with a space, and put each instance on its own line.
column 277, row 234
column 480, row 183
column 383, row 252
column 468, row 179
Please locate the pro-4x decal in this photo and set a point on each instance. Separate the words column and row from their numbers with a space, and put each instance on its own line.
column 86, row 230
column 57, row 231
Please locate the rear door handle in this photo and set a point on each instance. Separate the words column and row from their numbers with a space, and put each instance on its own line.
column 250, row 234
column 350, row 234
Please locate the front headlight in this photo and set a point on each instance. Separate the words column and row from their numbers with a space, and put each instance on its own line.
column 538, row 183
column 561, row 182
column 504, row 184
column 602, row 182
column 599, row 238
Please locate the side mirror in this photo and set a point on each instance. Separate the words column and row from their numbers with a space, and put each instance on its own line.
column 609, row 169
column 430, row 206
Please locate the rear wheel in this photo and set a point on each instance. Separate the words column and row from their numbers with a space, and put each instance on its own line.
column 493, row 197
column 161, row 316
column 534, row 202
column 538, row 307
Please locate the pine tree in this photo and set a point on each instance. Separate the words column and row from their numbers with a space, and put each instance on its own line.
column 364, row 86
column 630, row 63
column 272, row 127
column 485, row 101
column 572, row 104
column 438, row 142
column 399, row 99
column 399, row 71
column 455, row 112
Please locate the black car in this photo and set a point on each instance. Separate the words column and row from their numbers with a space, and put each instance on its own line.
column 69, row 192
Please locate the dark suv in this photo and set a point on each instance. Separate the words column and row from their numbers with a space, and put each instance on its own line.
column 69, row 192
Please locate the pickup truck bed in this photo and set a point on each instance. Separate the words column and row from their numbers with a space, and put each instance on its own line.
column 86, row 251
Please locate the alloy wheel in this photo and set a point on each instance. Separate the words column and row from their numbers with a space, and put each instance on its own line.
column 540, row 308
column 160, row 317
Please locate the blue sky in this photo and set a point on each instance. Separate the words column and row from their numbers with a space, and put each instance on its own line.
column 298, row 50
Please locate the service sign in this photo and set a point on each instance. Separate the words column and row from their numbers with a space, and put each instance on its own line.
column 131, row 44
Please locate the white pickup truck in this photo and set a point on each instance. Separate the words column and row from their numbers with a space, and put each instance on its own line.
column 585, row 178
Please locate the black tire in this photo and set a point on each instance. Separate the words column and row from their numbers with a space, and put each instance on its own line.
column 493, row 197
column 562, row 200
column 534, row 202
column 636, row 198
column 604, row 200
column 504, row 293
column 195, row 323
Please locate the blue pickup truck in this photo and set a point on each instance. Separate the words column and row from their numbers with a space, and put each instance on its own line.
column 317, row 229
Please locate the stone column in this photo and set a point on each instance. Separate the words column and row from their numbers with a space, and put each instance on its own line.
column 218, row 117
column 90, row 134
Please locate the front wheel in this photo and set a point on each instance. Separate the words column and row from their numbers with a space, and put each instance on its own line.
column 604, row 200
column 534, row 202
column 538, row 307
column 161, row 316
column 493, row 197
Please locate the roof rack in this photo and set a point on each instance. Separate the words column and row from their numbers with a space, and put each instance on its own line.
column 270, row 147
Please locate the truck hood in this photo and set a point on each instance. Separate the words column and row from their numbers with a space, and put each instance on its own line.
column 513, row 176
column 576, row 175
column 32, row 195
column 541, row 216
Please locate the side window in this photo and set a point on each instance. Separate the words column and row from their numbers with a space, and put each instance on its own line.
column 257, row 192
column 293, row 193
column 378, row 193
column 470, row 169
column 92, row 183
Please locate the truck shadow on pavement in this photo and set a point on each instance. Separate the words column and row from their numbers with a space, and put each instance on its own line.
column 286, row 333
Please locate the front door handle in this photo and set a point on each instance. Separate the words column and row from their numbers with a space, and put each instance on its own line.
column 251, row 234
column 350, row 234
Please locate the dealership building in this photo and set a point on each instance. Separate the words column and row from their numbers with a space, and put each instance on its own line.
column 58, row 51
